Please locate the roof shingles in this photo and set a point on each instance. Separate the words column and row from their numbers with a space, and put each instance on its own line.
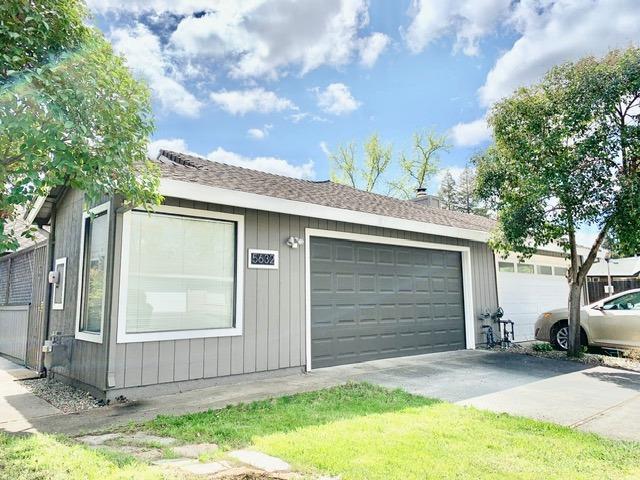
column 325, row 193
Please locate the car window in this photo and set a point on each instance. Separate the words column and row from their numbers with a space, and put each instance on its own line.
column 630, row 301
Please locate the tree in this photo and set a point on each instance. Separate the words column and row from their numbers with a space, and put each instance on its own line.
column 70, row 112
column 346, row 169
column 422, row 165
column 448, row 192
column 467, row 200
column 567, row 155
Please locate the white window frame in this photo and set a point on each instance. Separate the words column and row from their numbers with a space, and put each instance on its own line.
column 60, row 285
column 467, row 276
column 82, row 335
column 236, row 330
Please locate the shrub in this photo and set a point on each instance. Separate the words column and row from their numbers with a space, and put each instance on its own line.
column 542, row 347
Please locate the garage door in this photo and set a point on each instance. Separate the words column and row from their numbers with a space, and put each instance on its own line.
column 525, row 290
column 372, row 301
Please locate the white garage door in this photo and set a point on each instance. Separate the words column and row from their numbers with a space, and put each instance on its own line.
column 525, row 290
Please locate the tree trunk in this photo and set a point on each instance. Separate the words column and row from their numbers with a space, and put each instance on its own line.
column 575, row 291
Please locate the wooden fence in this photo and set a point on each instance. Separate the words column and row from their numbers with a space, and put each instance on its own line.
column 23, row 286
column 596, row 286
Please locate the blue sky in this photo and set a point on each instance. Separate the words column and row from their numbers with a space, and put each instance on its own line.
column 274, row 84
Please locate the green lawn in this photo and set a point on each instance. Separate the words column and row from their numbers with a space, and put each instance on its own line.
column 31, row 457
column 359, row 431
column 236, row 426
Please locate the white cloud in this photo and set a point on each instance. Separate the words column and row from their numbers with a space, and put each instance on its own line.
column 265, row 164
column 146, row 58
column 468, row 20
column 174, row 144
column 371, row 47
column 555, row 32
column 239, row 102
column 141, row 6
column 336, row 99
column 439, row 176
column 325, row 148
column 471, row 133
column 257, row 38
column 259, row 133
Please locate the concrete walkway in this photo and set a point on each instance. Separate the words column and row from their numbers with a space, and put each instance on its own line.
column 602, row 400
column 18, row 406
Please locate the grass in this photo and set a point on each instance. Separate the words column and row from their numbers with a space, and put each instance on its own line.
column 237, row 425
column 31, row 457
column 360, row 431
column 357, row 431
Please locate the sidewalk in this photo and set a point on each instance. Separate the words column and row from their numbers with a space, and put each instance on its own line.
column 19, row 408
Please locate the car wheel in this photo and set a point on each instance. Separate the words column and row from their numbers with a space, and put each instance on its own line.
column 560, row 336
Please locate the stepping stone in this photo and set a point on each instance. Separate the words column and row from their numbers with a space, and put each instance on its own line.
column 174, row 462
column 195, row 450
column 239, row 472
column 206, row 468
column 261, row 461
column 95, row 440
column 144, row 438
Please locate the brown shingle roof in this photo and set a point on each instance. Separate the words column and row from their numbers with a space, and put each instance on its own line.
column 193, row 169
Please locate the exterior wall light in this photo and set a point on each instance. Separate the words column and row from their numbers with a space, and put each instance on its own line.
column 295, row 242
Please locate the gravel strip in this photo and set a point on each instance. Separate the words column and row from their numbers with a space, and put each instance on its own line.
column 65, row 397
column 594, row 359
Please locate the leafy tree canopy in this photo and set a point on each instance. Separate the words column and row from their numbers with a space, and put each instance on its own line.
column 70, row 111
column 567, row 155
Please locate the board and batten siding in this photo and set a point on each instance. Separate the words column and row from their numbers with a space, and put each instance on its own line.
column 77, row 360
column 274, row 306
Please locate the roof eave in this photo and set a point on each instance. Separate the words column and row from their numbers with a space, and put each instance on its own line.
column 205, row 193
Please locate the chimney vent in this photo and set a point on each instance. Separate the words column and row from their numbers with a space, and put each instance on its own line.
column 421, row 192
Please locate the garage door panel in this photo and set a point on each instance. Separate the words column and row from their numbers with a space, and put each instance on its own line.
column 378, row 301
column 524, row 296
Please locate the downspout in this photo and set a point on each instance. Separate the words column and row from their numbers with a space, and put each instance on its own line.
column 47, row 300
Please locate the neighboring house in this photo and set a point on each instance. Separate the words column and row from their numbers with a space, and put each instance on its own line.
column 624, row 274
column 242, row 272
column 618, row 268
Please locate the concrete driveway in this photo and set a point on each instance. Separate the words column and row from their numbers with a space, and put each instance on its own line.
column 594, row 399
column 602, row 400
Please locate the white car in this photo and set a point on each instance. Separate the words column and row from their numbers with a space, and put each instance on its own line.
column 613, row 322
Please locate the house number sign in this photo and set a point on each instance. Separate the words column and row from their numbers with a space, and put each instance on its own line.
column 263, row 258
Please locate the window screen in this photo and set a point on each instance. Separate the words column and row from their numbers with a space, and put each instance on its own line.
column 181, row 273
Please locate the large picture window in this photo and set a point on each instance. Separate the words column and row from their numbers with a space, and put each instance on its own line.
column 92, row 274
column 180, row 275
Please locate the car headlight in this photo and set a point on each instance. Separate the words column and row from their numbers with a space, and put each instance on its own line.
column 546, row 315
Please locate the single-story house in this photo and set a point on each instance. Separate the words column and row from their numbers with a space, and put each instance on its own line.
column 242, row 272
column 624, row 274
column 618, row 268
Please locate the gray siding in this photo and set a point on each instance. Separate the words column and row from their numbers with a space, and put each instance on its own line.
column 81, row 361
column 274, row 311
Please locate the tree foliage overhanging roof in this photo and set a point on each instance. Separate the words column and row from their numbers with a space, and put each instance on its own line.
column 567, row 155
column 70, row 111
